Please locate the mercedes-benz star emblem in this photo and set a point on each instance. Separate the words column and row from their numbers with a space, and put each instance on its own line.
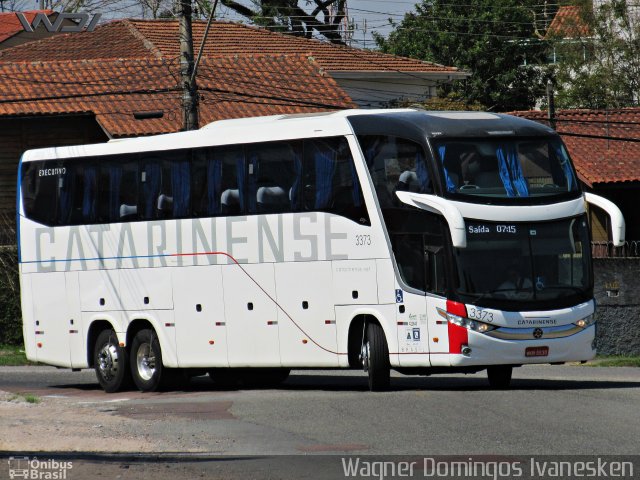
column 537, row 333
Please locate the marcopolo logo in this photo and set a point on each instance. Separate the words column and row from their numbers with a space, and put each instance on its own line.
column 81, row 21
column 24, row 467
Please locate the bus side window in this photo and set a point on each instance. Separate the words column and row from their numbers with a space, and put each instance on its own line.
column 330, row 180
column 272, row 176
column 233, row 180
column 88, row 198
column 118, row 190
column 39, row 193
column 435, row 260
column 166, row 185
column 151, row 180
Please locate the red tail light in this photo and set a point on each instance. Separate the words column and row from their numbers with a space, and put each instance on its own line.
column 456, row 308
column 458, row 336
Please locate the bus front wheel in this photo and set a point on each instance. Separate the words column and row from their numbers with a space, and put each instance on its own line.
column 146, row 361
column 499, row 376
column 375, row 358
column 111, row 362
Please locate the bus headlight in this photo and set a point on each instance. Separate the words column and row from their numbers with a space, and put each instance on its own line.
column 586, row 321
column 470, row 324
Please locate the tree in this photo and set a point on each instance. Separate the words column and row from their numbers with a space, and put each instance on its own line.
column 327, row 17
column 600, row 69
column 494, row 40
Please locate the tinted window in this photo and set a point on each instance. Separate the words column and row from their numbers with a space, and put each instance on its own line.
column 395, row 164
column 329, row 180
column 40, row 190
column 417, row 239
column 218, row 181
column 505, row 167
column 310, row 175
column 273, row 171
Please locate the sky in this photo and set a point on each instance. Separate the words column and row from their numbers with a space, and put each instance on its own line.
column 367, row 15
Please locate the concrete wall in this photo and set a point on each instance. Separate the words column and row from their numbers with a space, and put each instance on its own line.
column 617, row 292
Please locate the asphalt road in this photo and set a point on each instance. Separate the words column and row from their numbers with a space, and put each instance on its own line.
column 554, row 410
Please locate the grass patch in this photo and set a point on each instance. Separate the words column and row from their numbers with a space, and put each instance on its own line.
column 24, row 397
column 11, row 355
column 29, row 398
column 615, row 361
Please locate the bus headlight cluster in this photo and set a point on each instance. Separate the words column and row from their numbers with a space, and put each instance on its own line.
column 586, row 321
column 470, row 324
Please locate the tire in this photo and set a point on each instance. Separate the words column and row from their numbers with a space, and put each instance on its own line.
column 375, row 358
column 111, row 362
column 146, row 361
column 499, row 376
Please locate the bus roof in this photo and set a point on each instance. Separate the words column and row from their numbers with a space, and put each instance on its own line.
column 323, row 124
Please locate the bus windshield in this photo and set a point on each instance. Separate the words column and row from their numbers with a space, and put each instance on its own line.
column 505, row 167
column 521, row 264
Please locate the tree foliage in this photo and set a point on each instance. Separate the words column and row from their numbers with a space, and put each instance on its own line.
column 325, row 17
column 494, row 40
column 601, row 69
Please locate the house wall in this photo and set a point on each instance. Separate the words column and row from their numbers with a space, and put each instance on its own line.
column 378, row 92
column 618, row 305
column 20, row 134
column 625, row 196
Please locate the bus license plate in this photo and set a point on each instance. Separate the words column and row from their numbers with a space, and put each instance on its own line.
column 536, row 352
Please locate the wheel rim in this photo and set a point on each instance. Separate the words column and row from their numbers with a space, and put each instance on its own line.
column 365, row 356
column 108, row 361
column 146, row 361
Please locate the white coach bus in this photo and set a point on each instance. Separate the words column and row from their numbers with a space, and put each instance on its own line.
column 425, row 242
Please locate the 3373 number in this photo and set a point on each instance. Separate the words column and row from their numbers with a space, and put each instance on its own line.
column 362, row 240
column 481, row 315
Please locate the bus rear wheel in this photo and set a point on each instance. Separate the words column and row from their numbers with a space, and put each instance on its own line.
column 499, row 376
column 111, row 362
column 375, row 358
column 146, row 361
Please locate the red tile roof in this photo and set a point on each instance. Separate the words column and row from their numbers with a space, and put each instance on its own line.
column 568, row 23
column 159, row 39
column 10, row 25
column 599, row 160
column 230, row 87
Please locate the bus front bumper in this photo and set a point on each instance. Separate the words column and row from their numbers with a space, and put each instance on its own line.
column 486, row 350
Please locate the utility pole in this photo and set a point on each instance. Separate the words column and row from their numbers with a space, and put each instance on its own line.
column 551, row 110
column 188, row 81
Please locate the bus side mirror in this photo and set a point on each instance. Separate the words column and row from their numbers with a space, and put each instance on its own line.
column 611, row 209
column 443, row 207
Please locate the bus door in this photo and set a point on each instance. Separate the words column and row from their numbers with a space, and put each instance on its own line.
column 251, row 315
column 422, row 331
column 51, row 318
column 201, row 333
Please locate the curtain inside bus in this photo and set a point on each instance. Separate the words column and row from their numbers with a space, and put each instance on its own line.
column 510, row 171
column 181, row 187
column 325, row 166
column 151, row 188
column 214, row 183
column 115, row 179
column 89, row 195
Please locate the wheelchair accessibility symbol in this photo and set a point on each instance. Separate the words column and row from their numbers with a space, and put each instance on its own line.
column 399, row 296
